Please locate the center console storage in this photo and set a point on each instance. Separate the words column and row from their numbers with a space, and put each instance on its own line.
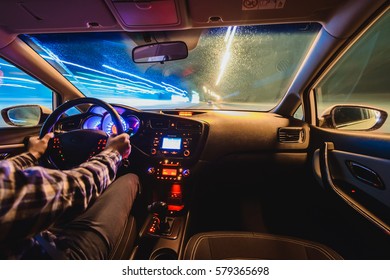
column 156, row 245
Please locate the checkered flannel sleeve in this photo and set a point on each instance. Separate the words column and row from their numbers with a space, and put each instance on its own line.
column 32, row 197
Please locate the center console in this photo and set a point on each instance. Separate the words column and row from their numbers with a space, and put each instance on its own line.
column 172, row 146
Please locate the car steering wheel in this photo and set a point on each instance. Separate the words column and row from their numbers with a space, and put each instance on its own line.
column 69, row 149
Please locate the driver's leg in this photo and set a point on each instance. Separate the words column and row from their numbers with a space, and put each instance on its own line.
column 94, row 234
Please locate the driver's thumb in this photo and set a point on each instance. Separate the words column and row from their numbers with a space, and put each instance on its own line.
column 48, row 136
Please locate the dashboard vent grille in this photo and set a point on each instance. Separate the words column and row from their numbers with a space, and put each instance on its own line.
column 159, row 123
column 69, row 125
column 188, row 126
column 291, row 135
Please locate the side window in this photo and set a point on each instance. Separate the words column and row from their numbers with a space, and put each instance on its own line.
column 18, row 88
column 360, row 77
column 299, row 113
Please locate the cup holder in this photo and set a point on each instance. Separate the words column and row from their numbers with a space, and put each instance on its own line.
column 164, row 254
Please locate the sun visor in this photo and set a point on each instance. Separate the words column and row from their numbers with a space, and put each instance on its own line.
column 214, row 13
column 37, row 16
column 133, row 13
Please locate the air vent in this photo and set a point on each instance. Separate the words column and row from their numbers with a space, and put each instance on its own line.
column 291, row 135
column 188, row 126
column 159, row 123
column 69, row 125
column 4, row 155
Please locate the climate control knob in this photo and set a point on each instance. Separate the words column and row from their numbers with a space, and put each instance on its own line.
column 186, row 173
column 151, row 170
column 186, row 153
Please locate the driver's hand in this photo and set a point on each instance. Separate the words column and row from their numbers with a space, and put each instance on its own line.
column 37, row 147
column 120, row 143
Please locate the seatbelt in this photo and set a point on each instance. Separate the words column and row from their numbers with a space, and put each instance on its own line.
column 50, row 250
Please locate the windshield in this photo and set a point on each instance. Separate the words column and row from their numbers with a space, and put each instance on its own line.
column 237, row 67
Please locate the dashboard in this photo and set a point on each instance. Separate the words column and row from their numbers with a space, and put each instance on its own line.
column 166, row 146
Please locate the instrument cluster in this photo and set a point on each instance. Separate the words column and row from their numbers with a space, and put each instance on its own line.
column 101, row 120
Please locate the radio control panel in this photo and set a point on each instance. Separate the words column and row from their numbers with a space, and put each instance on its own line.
column 172, row 145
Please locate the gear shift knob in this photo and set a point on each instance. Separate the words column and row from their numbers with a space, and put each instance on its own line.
column 159, row 208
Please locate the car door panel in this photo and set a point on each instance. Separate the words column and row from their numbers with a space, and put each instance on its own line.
column 356, row 168
column 12, row 139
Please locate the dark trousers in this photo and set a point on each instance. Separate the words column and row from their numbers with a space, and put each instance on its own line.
column 97, row 232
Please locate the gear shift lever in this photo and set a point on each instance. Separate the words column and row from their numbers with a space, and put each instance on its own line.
column 160, row 224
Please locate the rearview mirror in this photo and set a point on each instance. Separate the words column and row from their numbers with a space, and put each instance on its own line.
column 160, row 52
column 25, row 115
column 353, row 117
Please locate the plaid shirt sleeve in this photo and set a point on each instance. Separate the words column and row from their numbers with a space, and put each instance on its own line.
column 32, row 198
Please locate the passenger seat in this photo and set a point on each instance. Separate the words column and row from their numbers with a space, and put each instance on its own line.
column 250, row 245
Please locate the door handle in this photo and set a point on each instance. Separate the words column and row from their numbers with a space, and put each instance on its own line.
column 365, row 174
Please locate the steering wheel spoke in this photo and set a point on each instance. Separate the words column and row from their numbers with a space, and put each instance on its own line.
column 69, row 149
column 75, row 147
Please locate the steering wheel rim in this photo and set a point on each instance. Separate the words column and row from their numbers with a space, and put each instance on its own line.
column 57, row 113
column 94, row 134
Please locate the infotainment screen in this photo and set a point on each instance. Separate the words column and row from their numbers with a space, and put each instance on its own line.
column 170, row 143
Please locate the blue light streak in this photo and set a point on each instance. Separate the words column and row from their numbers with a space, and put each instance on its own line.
column 167, row 88
column 99, row 72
